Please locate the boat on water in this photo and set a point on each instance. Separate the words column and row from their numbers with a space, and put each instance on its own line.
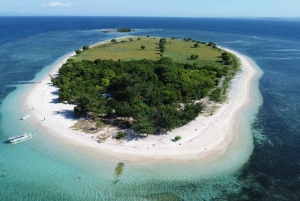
column 20, row 138
column 26, row 117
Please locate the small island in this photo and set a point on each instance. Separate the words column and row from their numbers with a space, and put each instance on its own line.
column 120, row 30
column 124, row 30
column 147, row 100
column 148, row 85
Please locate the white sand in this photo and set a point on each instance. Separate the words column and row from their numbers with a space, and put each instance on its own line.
column 202, row 139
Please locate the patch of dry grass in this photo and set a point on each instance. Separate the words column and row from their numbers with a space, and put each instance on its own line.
column 101, row 138
column 87, row 126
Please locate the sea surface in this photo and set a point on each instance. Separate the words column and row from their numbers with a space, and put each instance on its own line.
column 44, row 169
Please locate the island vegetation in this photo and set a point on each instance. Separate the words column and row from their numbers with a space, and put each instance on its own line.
column 152, row 85
column 118, row 30
column 124, row 30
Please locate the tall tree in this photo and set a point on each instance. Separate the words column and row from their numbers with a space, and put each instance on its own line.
column 144, row 125
column 86, row 47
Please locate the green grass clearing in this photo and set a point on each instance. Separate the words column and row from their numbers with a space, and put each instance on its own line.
column 176, row 49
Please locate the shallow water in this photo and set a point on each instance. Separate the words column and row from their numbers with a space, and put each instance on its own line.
column 40, row 169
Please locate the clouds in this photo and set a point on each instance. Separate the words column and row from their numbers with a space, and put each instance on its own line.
column 56, row 4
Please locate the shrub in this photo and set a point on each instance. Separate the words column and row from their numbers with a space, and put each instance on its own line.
column 128, row 124
column 120, row 135
column 217, row 94
column 163, row 40
column 86, row 47
column 161, row 45
column 178, row 137
column 78, row 51
column 98, row 124
column 212, row 44
column 194, row 57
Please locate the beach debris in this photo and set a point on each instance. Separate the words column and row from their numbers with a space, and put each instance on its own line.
column 26, row 117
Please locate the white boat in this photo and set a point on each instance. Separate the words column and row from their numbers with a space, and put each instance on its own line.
column 20, row 138
column 26, row 116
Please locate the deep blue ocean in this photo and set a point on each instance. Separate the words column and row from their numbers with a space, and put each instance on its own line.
column 41, row 170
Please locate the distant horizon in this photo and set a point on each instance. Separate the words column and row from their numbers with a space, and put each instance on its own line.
column 228, row 17
column 153, row 8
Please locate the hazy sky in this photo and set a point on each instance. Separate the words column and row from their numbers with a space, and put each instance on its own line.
column 157, row 8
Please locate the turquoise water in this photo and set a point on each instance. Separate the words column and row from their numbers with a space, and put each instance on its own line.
column 56, row 170
column 44, row 168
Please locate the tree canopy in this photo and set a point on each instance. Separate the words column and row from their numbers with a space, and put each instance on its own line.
column 86, row 47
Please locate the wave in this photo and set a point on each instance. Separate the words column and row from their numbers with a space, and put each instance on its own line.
column 110, row 30
column 281, row 58
column 282, row 50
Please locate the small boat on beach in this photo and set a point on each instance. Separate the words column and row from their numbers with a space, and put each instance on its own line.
column 19, row 138
column 26, row 117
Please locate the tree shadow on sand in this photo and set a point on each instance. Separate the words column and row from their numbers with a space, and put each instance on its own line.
column 133, row 136
column 68, row 114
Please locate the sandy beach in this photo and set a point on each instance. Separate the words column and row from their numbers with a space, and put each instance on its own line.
column 207, row 137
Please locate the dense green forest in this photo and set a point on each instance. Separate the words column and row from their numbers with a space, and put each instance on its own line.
column 156, row 95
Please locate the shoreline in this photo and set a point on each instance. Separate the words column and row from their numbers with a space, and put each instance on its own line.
column 203, row 140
